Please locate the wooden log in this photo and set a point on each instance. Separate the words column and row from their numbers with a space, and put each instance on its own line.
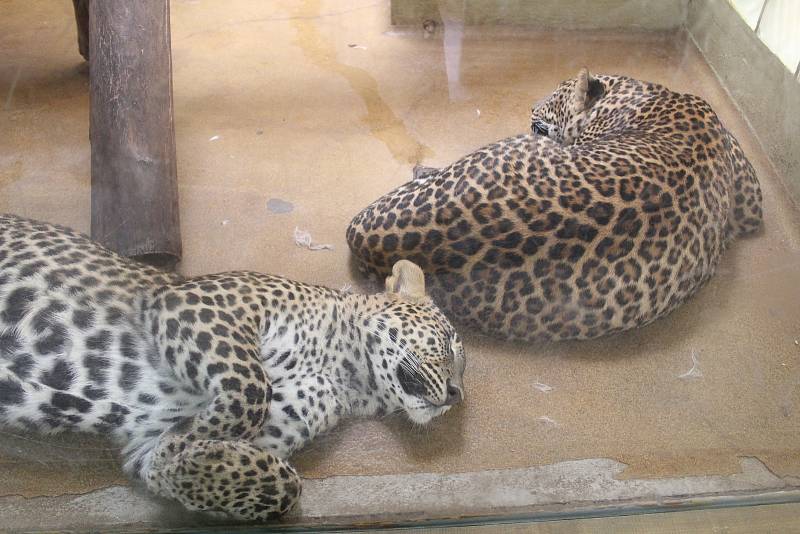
column 134, row 175
column 82, row 21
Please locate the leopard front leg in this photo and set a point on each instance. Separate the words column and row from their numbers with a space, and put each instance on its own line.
column 234, row 477
column 207, row 462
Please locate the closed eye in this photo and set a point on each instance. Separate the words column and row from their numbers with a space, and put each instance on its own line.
column 411, row 381
column 540, row 127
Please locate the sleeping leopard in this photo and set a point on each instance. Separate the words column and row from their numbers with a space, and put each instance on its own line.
column 608, row 215
column 210, row 383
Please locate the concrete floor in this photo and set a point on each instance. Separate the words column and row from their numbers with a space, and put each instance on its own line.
column 328, row 108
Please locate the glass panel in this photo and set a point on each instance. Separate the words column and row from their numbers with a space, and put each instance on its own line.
column 780, row 30
column 629, row 325
column 750, row 10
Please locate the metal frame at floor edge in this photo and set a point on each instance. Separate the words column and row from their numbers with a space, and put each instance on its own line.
column 537, row 514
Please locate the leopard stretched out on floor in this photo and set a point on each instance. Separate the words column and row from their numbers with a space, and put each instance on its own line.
column 209, row 382
column 613, row 211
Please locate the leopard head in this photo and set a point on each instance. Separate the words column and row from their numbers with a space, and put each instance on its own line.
column 562, row 116
column 422, row 355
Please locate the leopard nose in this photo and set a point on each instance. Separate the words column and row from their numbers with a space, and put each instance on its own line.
column 454, row 394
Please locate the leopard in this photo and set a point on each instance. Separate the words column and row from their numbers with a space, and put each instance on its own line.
column 209, row 383
column 612, row 210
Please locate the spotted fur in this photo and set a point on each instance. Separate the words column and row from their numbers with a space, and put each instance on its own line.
column 613, row 211
column 212, row 382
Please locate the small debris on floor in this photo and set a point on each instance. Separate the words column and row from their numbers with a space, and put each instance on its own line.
column 478, row 112
column 546, row 420
column 278, row 205
column 225, row 222
column 544, row 388
column 428, row 28
column 302, row 238
column 694, row 372
column 213, row 138
column 358, row 46
column 346, row 288
column 259, row 132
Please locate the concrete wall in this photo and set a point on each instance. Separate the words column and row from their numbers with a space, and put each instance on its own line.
column 562, row 14
column 765, row 91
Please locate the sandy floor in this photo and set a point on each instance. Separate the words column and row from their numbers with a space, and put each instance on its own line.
column 328, row 109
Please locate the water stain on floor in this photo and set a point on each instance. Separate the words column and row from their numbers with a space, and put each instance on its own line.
column 280, row 206
column 380, row 118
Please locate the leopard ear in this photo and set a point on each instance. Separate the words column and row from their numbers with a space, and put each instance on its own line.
column 588, row 91
column 407, row 280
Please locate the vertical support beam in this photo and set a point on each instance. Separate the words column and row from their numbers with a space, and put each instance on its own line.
column 82, row 21
column 134, row 175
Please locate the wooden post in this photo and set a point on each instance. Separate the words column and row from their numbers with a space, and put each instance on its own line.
column 134, row 176
column 82, row 21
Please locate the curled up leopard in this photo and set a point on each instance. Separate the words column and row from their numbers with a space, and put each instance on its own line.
column 613, row 210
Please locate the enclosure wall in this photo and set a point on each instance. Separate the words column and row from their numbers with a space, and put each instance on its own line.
column 562, row 14
column 764, row 89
